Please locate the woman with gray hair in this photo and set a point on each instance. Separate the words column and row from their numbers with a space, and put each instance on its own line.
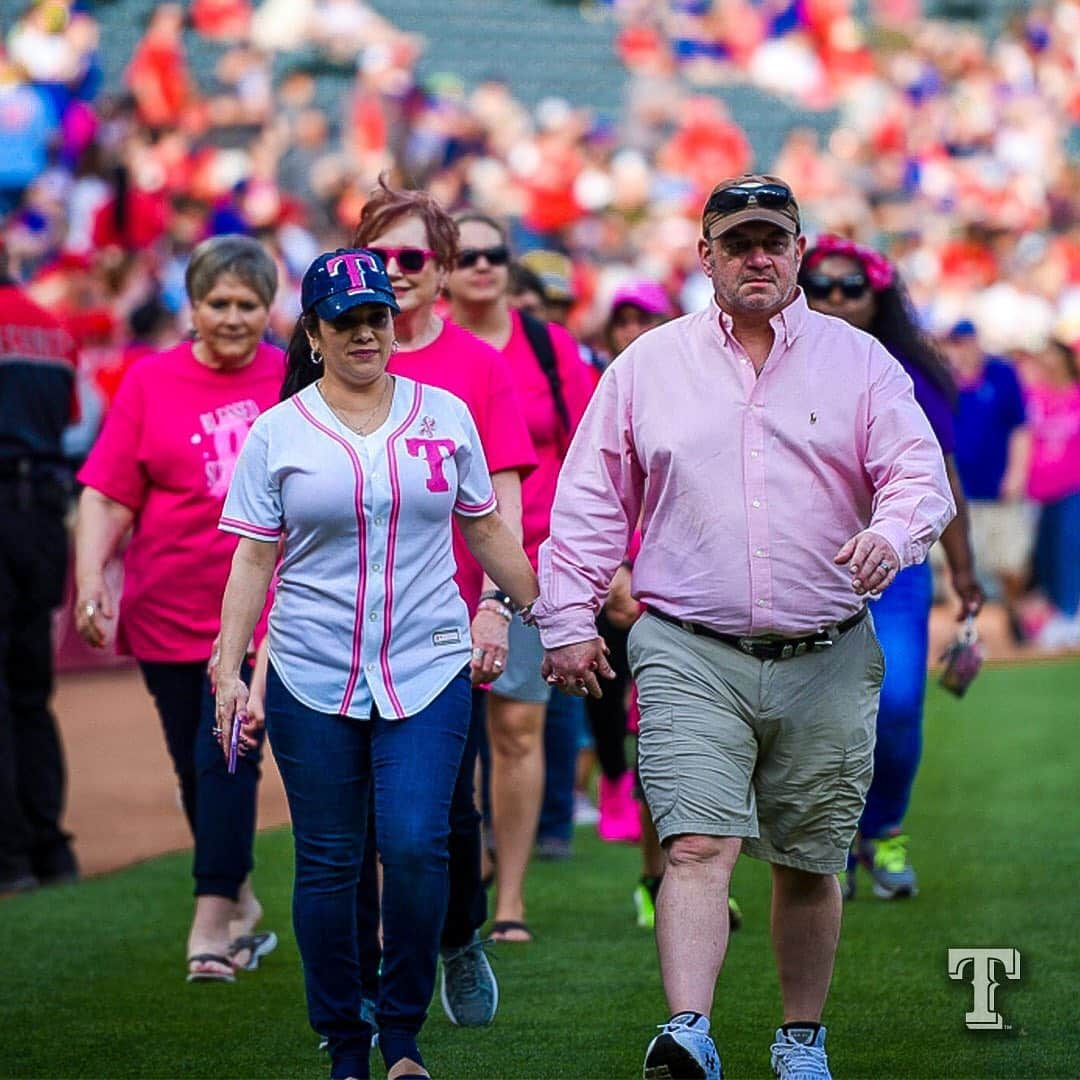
column 160, row 471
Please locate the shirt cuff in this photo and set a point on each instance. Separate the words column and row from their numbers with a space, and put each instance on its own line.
column 897, row 536
column 563, row 626
column 249, row 530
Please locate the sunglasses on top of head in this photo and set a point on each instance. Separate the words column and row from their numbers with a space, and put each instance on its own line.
column 820, row 286
column 740, row 196
column 410, row 260
column 496, row 256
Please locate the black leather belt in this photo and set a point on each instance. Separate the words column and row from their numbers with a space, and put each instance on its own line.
column 764, row 648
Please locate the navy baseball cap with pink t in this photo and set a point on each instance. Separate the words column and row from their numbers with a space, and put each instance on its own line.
column 339, row 280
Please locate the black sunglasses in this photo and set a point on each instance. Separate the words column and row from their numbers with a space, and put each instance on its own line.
column 410, row 260
column 496, row 256
column 820, row 286
column 729, row 199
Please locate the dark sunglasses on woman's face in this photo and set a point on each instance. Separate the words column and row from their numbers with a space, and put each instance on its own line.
column 726, row 200
column 820, row 286
column 496, row 256
column 410, row 260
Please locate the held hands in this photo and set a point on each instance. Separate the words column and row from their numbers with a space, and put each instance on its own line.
column 574, row 668
column 93, row 608
column 872, row 562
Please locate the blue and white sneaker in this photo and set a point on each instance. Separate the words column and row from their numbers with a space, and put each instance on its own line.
column 470, row 992
column 799, row 1054
column 683, row 1051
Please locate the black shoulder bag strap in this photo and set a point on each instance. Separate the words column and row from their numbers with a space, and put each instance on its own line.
column 544, row 350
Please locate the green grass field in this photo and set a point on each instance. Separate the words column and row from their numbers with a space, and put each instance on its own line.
column 92, row 975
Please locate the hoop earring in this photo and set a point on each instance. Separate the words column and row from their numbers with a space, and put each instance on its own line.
column 315, row 357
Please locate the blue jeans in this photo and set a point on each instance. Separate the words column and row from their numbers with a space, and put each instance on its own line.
column 466, row 909
column 220, row 807
column 563, row 726
column 328, row 764
column 1057, row 553
column 901, row 618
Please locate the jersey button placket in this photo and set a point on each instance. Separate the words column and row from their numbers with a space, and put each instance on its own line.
column 377, row 512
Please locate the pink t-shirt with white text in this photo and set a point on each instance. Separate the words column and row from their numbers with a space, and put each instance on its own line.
column 549, row 436
column 167, row 452
column 475, row 372
column 1054, row 420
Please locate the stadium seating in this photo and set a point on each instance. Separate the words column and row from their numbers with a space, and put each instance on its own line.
column 562, row 54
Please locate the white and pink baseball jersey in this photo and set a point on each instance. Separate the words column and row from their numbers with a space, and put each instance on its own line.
column 366, row 607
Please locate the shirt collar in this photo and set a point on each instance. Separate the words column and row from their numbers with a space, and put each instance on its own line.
column 787, row 323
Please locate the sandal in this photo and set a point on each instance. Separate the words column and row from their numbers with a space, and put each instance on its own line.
column 256, row 945
column 407, row 1063
column 211, row 976
column 510, row 926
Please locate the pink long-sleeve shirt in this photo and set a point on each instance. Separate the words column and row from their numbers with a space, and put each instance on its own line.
column 748, row 485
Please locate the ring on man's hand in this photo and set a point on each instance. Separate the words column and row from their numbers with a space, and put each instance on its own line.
column 477, row 653
column 216, row 731
column 886, row 566
column 89, row 610
column 497, row 663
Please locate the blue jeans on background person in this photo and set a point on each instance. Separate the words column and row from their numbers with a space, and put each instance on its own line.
column 901, row 619
column 1057, row 553
column 564, row 724
column 220, row 807
column 329, row 764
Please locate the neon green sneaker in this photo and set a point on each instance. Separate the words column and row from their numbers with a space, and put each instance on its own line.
column 645, row 905
column 734, row 913
column 645, row 902
column 887, row 860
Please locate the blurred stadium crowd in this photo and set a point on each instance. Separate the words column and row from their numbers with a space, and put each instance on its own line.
column 950, row 152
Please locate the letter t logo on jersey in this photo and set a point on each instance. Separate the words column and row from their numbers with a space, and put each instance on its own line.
column 354, row 263
column 982, row 1016
column 435, row 451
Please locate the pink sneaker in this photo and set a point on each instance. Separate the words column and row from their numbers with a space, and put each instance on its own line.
column 620, row 819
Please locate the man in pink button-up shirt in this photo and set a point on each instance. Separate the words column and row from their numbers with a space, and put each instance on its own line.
column 783, row 473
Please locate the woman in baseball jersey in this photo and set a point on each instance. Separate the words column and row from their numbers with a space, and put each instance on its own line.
column 359, row 474
column 417, row 241
column 160, row 470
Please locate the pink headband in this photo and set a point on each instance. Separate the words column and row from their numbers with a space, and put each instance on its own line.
column 879, row 271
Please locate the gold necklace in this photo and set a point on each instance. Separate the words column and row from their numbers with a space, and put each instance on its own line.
column 359, row 429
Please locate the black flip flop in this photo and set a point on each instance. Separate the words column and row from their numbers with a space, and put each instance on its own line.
column 211, row 976
column 257, row 945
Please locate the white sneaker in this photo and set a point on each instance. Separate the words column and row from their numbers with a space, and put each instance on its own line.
column 683, row 1051
column 799, row 1054
column 584, row 811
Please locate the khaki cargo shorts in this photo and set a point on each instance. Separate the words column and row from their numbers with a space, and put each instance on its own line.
column 779, row 752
